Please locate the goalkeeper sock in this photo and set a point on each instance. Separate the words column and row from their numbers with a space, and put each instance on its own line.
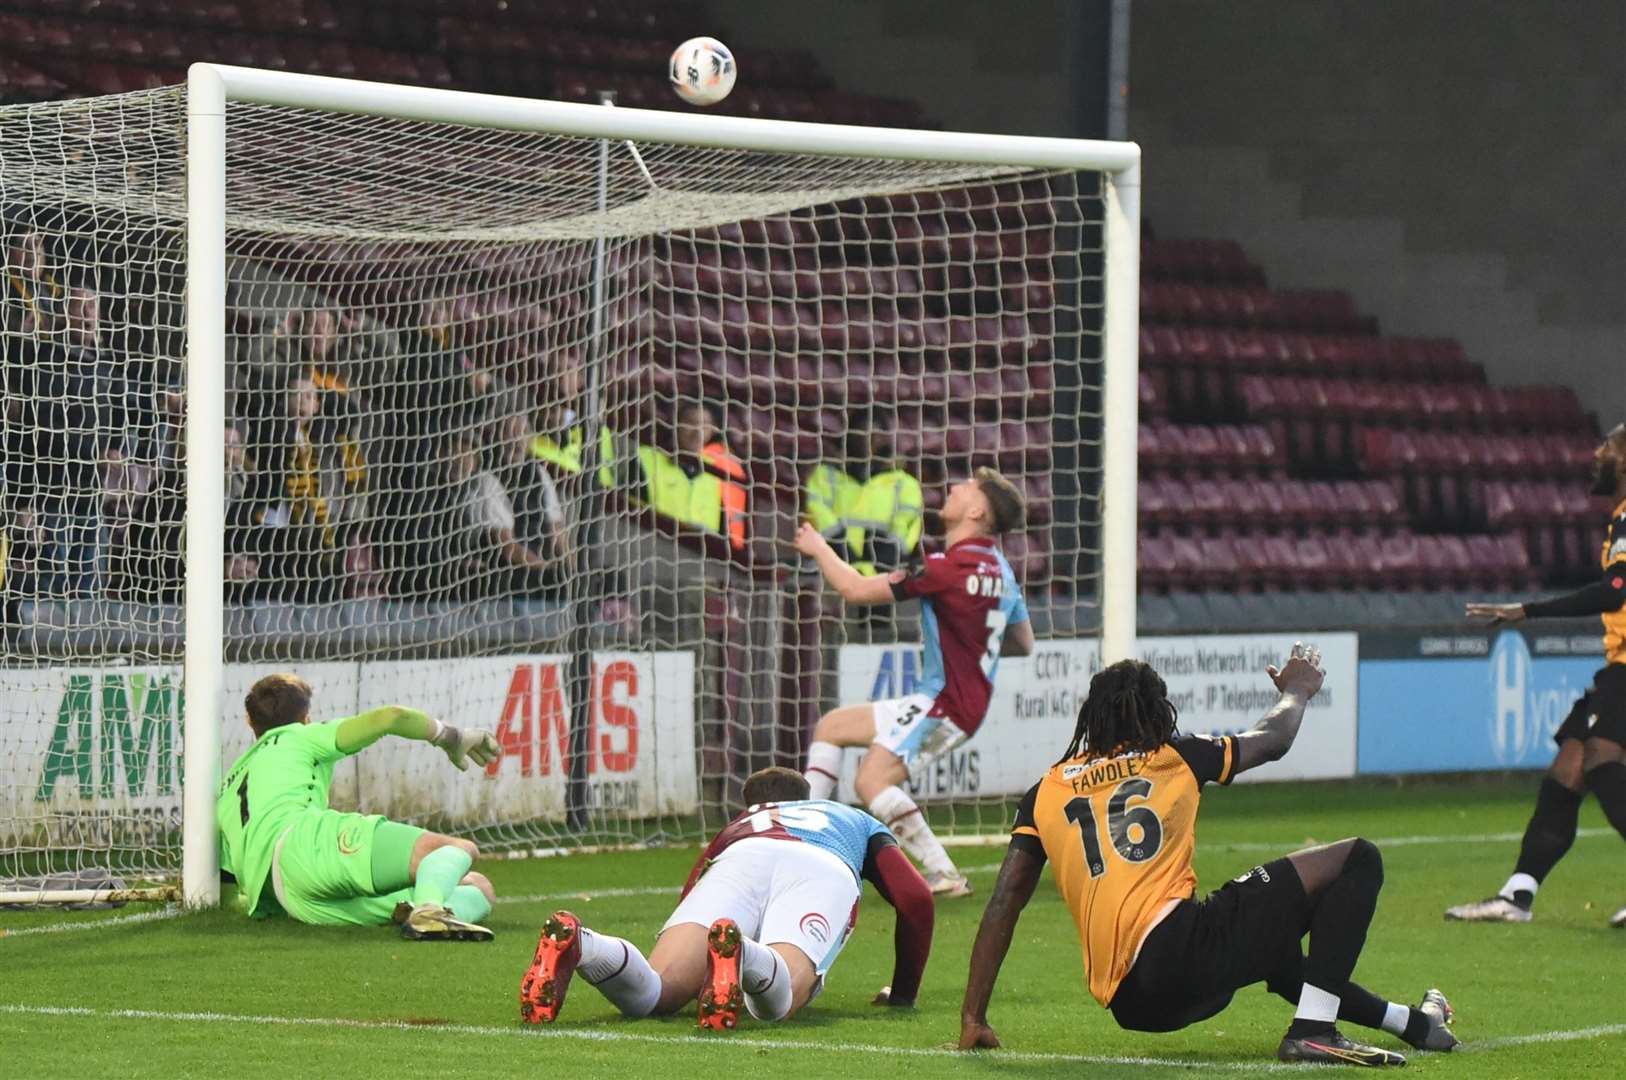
column 620, row 972
column 765, row 978
column 439, row 873
column 1548, row 836
column 899, row 813
column 469, row 904
column 823, row 767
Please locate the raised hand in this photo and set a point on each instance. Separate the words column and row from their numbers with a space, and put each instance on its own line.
column 809, row 541
column 1302, row 675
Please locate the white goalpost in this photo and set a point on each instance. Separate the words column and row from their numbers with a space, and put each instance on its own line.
column 391, row 387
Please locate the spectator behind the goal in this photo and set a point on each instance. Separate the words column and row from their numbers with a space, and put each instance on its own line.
column 61, row 424
column 865, row 502
column 700, row 484
column 33, row 291
column 152, row 564
column 486, row 558
column 725, row 470
column 561, row 441
column 538, row 514
column 21, row 543
column 309, row 485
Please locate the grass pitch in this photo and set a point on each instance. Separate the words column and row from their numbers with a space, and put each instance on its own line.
column 213, row 995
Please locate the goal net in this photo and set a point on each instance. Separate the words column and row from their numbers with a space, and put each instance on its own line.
column 517, row 428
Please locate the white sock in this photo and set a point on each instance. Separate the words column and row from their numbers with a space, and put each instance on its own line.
column 823, row 766
column 1395, row 1018
column 899, row 813
column 620, row 972
column 765, row 979
column 1519, row 882
column 1316, row 1004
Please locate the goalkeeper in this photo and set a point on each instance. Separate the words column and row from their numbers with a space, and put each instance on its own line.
column 290, row 853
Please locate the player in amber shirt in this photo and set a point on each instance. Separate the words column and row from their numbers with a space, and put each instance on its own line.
column 1115, row 818
column 1592, row 739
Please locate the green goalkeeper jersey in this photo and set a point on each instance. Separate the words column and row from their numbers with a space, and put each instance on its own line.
column 286, row 773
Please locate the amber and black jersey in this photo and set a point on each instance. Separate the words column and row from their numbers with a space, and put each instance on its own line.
column 1606, row 597
column 1614, row 571
column 1119, row 832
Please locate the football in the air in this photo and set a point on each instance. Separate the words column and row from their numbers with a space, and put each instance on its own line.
column 702, row 71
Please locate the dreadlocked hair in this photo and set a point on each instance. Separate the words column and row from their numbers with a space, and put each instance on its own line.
column 1127, row 711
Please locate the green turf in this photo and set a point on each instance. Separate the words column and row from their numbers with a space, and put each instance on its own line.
column 1560, row 974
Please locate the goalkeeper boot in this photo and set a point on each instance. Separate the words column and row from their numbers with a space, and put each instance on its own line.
column 1495, row 909
column 1333, row 1049
column 1618, row 919
column 1439, row 1014
column 558, row 951
column 432, row 922
column 720, row 996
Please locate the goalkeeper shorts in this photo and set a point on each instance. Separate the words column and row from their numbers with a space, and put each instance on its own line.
column 322, row 871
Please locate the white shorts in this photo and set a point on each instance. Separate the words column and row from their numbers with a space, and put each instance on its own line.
column 780, row 892
column 907, row 727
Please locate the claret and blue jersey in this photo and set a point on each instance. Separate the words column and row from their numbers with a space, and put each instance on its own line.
column 847, row 833
column 968, row 596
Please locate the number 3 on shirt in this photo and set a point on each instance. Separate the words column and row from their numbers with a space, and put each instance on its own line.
column 1121, row 817
column 995, row 622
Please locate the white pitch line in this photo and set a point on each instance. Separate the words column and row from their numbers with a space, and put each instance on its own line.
column 599, row 1035
column 1281, row 847
column 96, row 924
column 1412, row 841
column 1598, row 1032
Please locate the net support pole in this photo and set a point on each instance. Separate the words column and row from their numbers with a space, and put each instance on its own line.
column 1120, row 421
column 205, row 477
column 581, row 658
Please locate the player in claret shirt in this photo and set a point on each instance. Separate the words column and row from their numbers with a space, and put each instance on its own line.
column 971, row 614
column 766, row 909
column 1592, row 739
column 1116, row 820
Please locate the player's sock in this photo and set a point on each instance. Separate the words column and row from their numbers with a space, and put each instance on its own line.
column 1548, row 836
column 765, row 979
column 620, row 972
column 469, row 904
column 1608, row 783
column 823, row 767
column 1521, row 889
column 1316, row 1013
column 1408, row 1023
column 898, row 812
column 1338, row 923
column 438, row 874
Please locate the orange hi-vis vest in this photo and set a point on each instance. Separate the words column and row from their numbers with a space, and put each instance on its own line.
column 731, row 492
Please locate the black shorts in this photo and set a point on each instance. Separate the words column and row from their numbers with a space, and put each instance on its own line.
column 1247, row 931
column 1601, row 711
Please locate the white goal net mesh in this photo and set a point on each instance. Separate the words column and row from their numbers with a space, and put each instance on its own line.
column 519, row 428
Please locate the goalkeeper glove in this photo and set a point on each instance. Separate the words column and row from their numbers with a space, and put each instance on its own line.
column 463, row 746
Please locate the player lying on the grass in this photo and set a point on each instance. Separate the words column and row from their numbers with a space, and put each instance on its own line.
column 766, row 909
column 971, row 614
column 1116, row 819
column 1592, row 739
column 290, row 853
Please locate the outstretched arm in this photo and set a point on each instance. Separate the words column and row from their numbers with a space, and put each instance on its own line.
column 1018, row 876
column 901, row 885
column 461, row 746
column 1269, row 739
column 1599, row 598
column 855, row 588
